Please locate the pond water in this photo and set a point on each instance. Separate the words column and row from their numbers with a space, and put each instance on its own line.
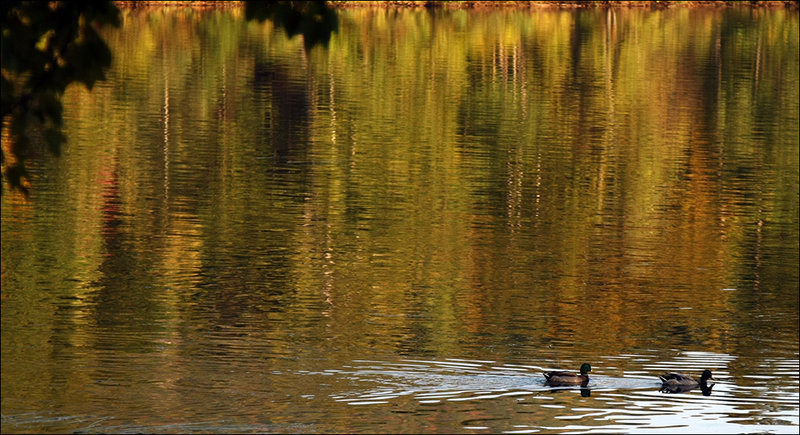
column 400, row 232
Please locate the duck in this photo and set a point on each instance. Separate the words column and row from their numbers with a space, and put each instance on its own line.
column 562, row 378
column 680, row 379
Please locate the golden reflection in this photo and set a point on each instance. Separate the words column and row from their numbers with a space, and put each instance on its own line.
column 510, row 185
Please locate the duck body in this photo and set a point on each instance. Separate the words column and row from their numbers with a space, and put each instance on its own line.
column 564, row 378
column 680, row 379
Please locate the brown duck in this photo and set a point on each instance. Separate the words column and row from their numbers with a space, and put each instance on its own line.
column 560, row 378
column 675, row 379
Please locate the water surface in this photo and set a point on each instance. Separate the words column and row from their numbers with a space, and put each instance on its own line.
column 400, row 232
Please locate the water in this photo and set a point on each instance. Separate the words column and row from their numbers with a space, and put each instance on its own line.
column 401, row 232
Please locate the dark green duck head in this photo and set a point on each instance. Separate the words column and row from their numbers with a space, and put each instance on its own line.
column 586, row 368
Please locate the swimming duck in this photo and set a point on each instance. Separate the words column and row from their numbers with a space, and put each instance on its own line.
column 675, row 379
column 559, row 378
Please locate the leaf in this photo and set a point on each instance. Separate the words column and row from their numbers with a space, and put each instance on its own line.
column 89, row 58
column 314, row 20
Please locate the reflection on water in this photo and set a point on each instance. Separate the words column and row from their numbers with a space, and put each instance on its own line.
column 434, row 381
column 401, row 232
column 705, row 388
column 631, row 401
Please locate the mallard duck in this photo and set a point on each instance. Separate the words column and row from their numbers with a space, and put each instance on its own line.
column 676, row 379
column 559, row 378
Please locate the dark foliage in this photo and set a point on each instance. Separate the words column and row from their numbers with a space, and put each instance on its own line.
column 48, row 45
